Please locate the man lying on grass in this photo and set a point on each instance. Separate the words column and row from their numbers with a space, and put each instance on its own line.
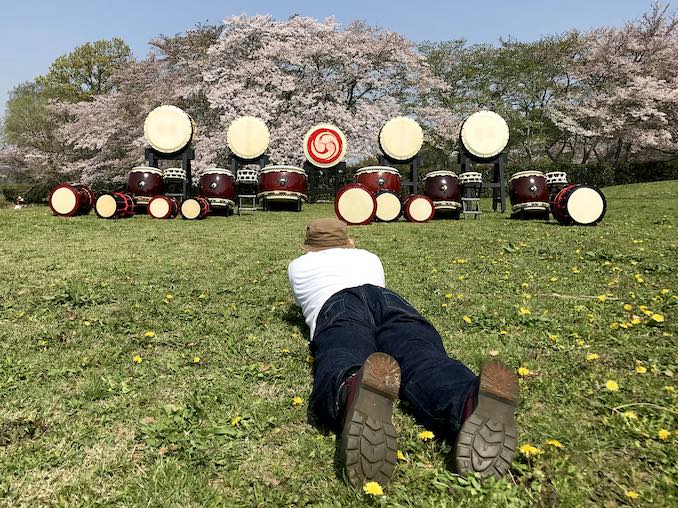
column 364, row 340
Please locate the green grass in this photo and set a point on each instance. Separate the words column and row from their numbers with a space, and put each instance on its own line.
column 81, row 424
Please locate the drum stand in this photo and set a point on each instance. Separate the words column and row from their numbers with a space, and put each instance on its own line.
column 470, row 199
column 413, row 165
column 185, row 155
column 246, row 193
column 324, row 181
column 498, row 184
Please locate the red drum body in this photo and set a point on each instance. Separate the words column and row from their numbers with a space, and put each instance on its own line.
column 114, row 205
column 195, row 208
column 442, row 186
column 163, row 207
column 355, row 204
column 581, row 205
column 378, row 178
column 218, row 186
column 419, row 208
column 68, row 200
column 528, row 193
column 282, row 183
column 389, row 206
column 144, row 181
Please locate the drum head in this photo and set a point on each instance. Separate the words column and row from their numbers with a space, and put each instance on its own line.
column 190, row 209
column 64, row 200
column 355, row 204
column 420, row 209
column 106, row 206
column 389, row 206
column 247, row 137
column 168, row 129
column 485, row 134
column 324, row 145
column 586, row 205
column 158, row 207
column 401, row 138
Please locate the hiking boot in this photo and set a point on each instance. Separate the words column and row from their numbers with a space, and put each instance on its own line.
column 368, row 445
column 486, row 443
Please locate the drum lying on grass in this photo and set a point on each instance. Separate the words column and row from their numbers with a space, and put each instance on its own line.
column 355, row 204
column 169, row 129
column 68, row 199
column 218, row 186
column 195, row 208
column 389, row 206
column 324, row 145
column 114, row 205
column 163, row 207
column 529, row 193
column 419, row 208
column 581, row 205
column 378, row 178
column 247, row 137
column 484, row 135
column 282, row 183
column 401, row 138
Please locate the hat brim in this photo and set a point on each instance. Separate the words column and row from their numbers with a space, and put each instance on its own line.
column 313, row 248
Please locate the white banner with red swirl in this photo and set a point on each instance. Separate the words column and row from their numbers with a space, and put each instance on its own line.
column 324, row 145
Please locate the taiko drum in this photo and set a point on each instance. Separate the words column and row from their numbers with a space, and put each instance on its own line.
column 196, row 208
column 378, row 178
column 442, row 186
column 418, row 208
column 114, row 205
column 217, row 183
column 68, row 199
column 144, row 181
column 163, row 207
column 389, row 206
column 355, row 204
column 581, row 205
column 282, row 183
column 528, row 192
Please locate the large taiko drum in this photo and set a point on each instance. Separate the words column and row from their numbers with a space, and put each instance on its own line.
column 68, row 199
column 114, row 205
column 144, row 182
column 484, row 135
column 218, row 186
column 581, row 205
column 163, row 207
column 324, row 145
column 418, row 208
column 378, row 178
column 282, row 183
column 442, row 186
column 169, row 129
column 529, row 193
column 195, row 208
column 389, row 206
column 247, row 137
column 355, row 204
column 401, row 138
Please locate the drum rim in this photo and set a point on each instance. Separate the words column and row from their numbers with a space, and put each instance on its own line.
column 176, row 148
column 441, row 172
column 344, row 145
column 523, row 174
column 377, row 169
column 248, row 118
column 145, row 169
column 420, row 135
column 355, row 185
column 484, row 113
column 217, row 171
column 279, row 168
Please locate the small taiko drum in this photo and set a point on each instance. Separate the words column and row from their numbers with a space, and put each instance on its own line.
column 472, row 178
column 389, row 206
column 556, row 181
column 282, row 183
column 218, row 186
column 324, row 145
column 114, row 205
column 378, row 178
column 418, row 208
column 169, row 129
column 247, row 137
column 581, row 205
column 163, row 207
column 400, row 139
column 68, row 199
column 484, row 135
column 144, row 182
column 442, row 186
column 171, row 175
column 355, row 204
column 195, row 208
column 529, row 193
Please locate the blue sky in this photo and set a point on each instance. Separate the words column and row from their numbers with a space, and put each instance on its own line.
column 33, row 33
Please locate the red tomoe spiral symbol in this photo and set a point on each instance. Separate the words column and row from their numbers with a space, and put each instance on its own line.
column 324, row 145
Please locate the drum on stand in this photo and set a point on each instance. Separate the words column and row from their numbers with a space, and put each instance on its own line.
column 484, row 135
column 68, row 199
column 556, row 181
column 163, row 207
column 529, row 195
column 217, row 185
column 324, row 145
column 114, row 205
column 282, row 184
column 355, row 204
column 389, row 206
column 144, row 182
column 470, row 178
column 378, row 178
column 195, row 208
column 247, row 137
column 169, row 129
column 581, row 205
column 174, row 175
column 400, row 139
column 419, row 208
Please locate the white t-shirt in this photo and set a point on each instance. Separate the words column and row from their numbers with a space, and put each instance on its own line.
column 316, row 276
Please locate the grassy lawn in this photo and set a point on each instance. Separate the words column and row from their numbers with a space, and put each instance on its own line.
column 205, row 416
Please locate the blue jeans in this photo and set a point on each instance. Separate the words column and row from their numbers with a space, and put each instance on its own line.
column 356, row 322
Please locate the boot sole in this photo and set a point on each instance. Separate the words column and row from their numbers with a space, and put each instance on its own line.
column 369, row 441
column 486, row 443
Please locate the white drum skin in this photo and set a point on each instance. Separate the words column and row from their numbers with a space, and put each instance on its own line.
column 389, row 206
column 324, row 145
column 63, row 201
column 247, row 137
column 484, row 135
column 581, row 205
column 419, row 208
column 401, row 138
column 195, row 208
column 168, row 129
column 355, row 204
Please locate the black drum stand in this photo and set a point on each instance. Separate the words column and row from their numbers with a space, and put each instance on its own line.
column 498, row 184
column 323, row 183
column 185, row 155
column 246, row 192
column 412, row 165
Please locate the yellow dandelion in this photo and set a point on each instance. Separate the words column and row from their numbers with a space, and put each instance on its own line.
column 592, row 357
column 373, row 489
column 648, row 312
column 528, row 450
column 235, row 421
column 602, row 298
column 461, row 277
column 553, row 338
column 86, row 323
column 640, row 369
column 635, row 320
column 401, row 455
column 628, row 306
column 426, row 435
column 284, row 350
column 297, row 401
column 149, row 334
column 503, row 332
column 624, row 325
column 524, row 371
column 614, row 325
column 631, row 494
column 575, row 270
column 468, row 320
column 524, row 311
column 137, row 359
column 670, row 389
column 169, row 296
column 197, row 359
column 581, row 343
column 524, row 285
column 657, row 318
column 448, row 295
column 444, row 306
column 664, row 434
column 611, row 385
column 665, row 291
column 555, row 443
column 309, row 359
column 459, row 296
column 554, row 279
column 630, row 415
column 461, row 261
